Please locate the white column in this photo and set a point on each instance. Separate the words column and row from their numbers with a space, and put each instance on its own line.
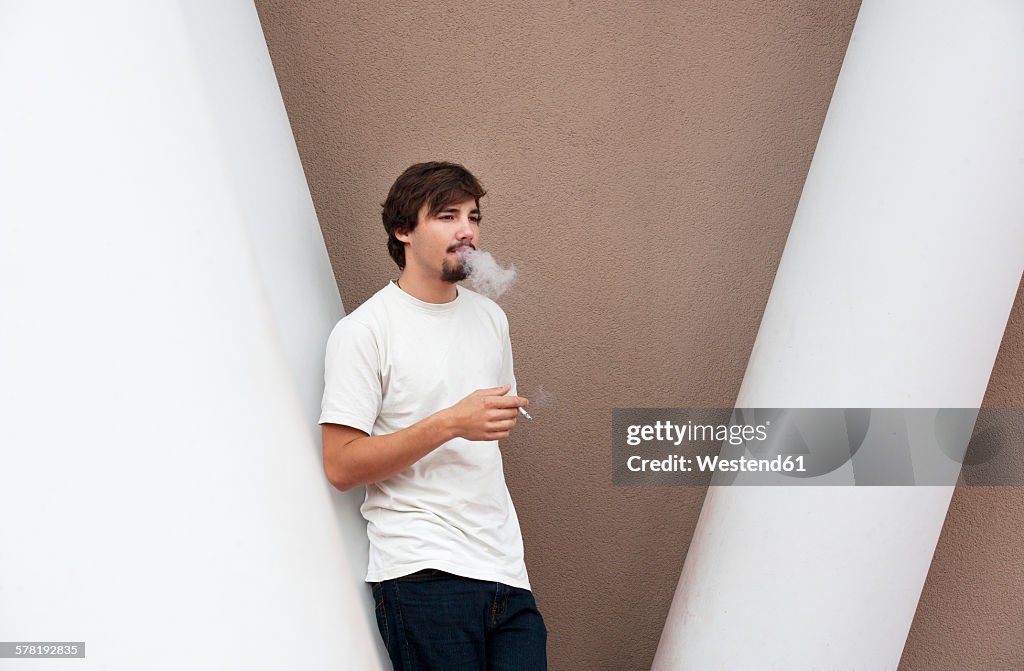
column 165, row 299
column 893, row 291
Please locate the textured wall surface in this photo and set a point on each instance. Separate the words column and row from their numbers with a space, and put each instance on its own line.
column 644, row 162
column 970, row 614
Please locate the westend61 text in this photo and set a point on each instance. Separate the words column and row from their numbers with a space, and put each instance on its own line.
column 709, row 464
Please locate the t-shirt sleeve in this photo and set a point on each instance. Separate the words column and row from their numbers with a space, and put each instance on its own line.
column 352, row 388
column 508, row 375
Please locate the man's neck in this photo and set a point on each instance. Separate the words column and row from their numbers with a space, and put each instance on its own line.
column 428, row 290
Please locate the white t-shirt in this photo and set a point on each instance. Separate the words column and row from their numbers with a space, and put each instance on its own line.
column 392, row 362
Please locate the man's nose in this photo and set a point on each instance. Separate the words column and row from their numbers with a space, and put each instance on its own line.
column 466, row 229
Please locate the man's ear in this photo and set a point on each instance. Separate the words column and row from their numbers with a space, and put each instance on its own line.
column 402, row 236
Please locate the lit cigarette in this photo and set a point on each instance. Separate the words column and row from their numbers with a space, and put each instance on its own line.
column 525, row 414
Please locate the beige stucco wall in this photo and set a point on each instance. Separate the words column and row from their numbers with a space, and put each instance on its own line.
column 971, row 613
column 644, row 161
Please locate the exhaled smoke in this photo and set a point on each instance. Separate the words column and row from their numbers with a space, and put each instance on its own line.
column 541, row 397
column 487, row 276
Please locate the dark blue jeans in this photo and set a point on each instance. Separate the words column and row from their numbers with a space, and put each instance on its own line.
column 436, row 620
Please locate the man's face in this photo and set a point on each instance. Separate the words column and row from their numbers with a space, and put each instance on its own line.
column 436, row 245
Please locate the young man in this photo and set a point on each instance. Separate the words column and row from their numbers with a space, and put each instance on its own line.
column 419, row 390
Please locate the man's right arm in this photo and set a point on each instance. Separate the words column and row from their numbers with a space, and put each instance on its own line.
column 352, row 458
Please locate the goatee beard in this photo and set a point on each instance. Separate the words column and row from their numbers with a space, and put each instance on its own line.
column 453, row 274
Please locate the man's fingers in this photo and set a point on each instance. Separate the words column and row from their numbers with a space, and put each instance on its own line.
column 508, row 402
column 500, row 435
column 495, row 391
column 499, row 430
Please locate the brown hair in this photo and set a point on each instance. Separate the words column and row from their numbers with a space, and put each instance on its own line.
column 437, row 184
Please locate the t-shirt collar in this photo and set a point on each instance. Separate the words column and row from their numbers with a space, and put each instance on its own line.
column 411, row 300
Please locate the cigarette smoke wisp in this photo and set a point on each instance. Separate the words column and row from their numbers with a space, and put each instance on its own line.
column 487, row 276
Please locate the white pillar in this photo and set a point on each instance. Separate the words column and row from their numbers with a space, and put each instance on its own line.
column 165, row 299
column 893, row 291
